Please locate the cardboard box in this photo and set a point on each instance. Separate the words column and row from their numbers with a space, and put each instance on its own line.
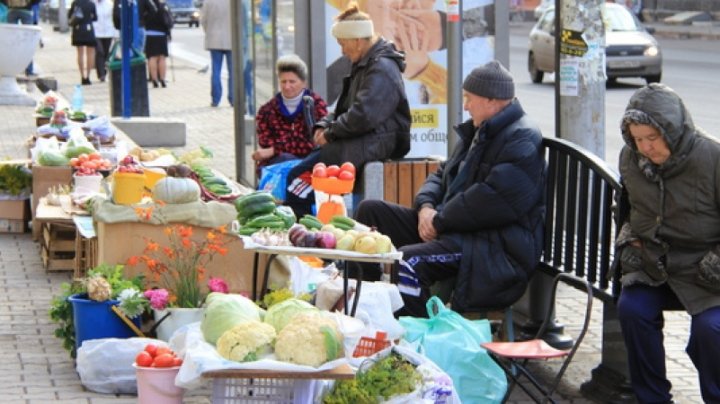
column 43, row 179
column 117, row 242
column 14, row 215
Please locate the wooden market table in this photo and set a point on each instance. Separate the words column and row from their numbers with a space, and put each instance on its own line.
column 325, row 253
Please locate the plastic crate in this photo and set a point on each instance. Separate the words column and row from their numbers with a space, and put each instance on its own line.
column 255, row 390
column 368, row 346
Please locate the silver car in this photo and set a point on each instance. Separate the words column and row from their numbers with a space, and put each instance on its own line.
column 630, row 49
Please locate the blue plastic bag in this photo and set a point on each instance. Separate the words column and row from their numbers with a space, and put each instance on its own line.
column 274, row 177
column 453, row 343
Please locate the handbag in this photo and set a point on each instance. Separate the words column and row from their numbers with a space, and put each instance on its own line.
column 453, row 343
column 77, row 17
column 274, row 177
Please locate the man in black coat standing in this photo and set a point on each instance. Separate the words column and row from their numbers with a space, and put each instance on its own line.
column 479, row 218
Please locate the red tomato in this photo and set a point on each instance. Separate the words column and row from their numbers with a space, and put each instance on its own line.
column 177, row 361
column 165, row 360
column 83, row 157
column 151, row 349
column 74, row 162
column 163, row 350
column 143, row 359
column 319, row 172
column 333, row 170
column 320, row 164
column 346, row 175
column 94, row 156
column 348, row 166
column 91, row 164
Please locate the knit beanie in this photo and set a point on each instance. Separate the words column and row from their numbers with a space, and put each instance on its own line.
column 490, row 80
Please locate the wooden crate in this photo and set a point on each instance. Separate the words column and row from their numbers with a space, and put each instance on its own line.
column 57, row 246
column 86, row 252
column 403, row 179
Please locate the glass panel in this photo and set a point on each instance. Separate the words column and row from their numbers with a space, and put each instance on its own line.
column 263, row 29
column 285, row 27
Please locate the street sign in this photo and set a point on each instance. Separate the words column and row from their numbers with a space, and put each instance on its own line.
column 572, row 43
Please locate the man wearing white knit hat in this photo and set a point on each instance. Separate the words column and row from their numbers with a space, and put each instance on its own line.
column 371, row 120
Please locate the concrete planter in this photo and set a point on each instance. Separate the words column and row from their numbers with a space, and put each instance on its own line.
column 18, row 43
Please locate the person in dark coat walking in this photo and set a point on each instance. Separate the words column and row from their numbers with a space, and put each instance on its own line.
column 83, row 37
column 669, row 244
column 479, row 218
column 371, row 120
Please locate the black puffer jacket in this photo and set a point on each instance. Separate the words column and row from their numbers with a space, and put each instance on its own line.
column 372, row 117
column 497, row 212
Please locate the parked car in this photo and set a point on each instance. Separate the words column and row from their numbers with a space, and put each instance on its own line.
column 631, row 50
column 185, row 12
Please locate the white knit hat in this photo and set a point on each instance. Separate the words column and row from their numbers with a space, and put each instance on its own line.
column 353, row 29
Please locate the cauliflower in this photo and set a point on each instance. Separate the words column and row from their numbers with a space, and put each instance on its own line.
column 309, row 339
column 246, row 341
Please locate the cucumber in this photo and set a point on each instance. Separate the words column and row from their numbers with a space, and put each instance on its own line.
column 254, row 209
column 255, row 197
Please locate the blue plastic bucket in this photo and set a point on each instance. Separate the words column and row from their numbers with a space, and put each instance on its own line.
column 94, row 320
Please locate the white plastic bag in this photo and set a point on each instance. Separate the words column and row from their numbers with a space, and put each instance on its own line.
column 105, row 364
column 304, row 278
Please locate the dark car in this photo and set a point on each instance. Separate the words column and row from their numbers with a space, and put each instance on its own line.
column 631, row 50
column 185, row 12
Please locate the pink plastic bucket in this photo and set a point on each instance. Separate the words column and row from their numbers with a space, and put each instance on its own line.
column 157, row 385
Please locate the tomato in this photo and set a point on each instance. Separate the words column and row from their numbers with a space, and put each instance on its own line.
column 74, row 162
column 94, row 156
column 333, row 170
column 319, row 172
column 177, row 361
column 320, row 164
column 348, row 166
column 151, row 349
column 163, row 350
column 92, row 165
column 346, row 175
column 143, row 359
column 83, row 157
column 165, row 360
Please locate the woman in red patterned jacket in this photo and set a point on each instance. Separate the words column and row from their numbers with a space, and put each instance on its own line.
column 283, row 126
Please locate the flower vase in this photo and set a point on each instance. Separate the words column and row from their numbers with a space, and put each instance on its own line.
column 173, row 318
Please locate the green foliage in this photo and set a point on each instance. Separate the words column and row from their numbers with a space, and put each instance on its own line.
column 14, row 178
column 279, row 295
column 389, row 376
column 61, row 309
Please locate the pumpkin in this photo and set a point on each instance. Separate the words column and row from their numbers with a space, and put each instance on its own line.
column 176, row 190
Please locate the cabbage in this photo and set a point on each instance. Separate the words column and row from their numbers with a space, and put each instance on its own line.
column 280, row 314
column 224, row 311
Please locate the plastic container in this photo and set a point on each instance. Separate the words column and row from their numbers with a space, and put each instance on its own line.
column 368, row 346
column 87, row 184
column 328, row 200
column 157, row 385
column 94, row 320
column 259, row 390
column 128, row 188
column 152, row 176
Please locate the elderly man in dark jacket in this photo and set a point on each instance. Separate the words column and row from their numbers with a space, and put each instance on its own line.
column 669, row 244
column 480, row 216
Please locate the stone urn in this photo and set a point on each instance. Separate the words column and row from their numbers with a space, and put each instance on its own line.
column 18, row 44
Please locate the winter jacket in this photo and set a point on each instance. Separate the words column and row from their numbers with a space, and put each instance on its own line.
column 372, row 118
column 154, row 20
column 215, row 22
column 493, row 206
column 143, row 6
column 287, row 132
column 675, row 213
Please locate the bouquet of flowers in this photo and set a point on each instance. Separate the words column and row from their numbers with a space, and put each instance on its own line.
column 179, row 268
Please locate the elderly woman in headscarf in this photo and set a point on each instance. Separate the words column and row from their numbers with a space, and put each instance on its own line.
column 669, row 244
column 371, row 120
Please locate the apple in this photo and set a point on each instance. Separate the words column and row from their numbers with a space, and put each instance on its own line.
column 366, row 245
column 345, row 243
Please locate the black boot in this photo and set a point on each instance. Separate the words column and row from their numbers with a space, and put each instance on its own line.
column 162, row 83
column 155, row 84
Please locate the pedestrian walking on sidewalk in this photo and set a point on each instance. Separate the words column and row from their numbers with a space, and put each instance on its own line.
column 157, row 30
column 83, row 36
column 105, row 32
column 215, row 22
column 669, row 244
column 21, row 12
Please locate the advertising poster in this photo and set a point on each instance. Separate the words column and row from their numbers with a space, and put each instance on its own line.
column 417, row 28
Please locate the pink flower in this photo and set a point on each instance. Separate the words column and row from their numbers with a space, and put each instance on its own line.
column 217, row 285
column 158, row 298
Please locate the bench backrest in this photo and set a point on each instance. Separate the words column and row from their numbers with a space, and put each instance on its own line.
column 580, row 228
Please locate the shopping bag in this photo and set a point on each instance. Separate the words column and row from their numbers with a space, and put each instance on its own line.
column 274, row 177
column 453, row 343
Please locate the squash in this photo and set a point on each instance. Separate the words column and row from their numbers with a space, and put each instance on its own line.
column 176, row 190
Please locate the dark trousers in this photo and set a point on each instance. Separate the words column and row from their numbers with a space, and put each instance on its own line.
column 423, row 263
column 300, row 195
column 640, row 309
column 102, row 53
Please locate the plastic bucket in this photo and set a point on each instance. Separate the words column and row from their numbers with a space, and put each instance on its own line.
column 178, row 317
column 157, row 385
column 128, row 188
column 94, row 320
column 152, row 176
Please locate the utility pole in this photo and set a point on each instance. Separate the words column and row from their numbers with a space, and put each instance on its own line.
column 580, row 73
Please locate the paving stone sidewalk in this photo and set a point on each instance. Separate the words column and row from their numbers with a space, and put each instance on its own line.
column 36, row 369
